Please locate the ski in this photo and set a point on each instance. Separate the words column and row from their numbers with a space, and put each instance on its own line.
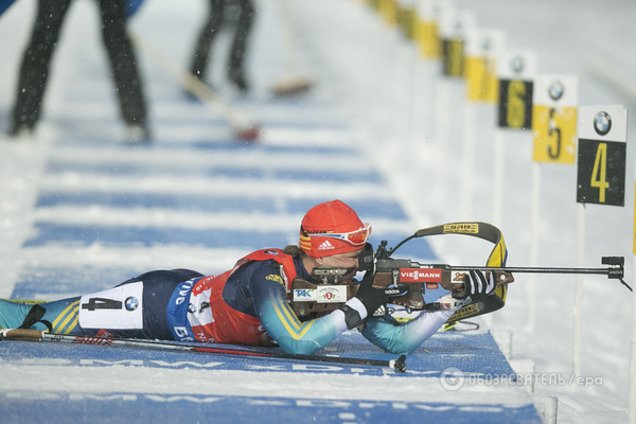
column 398, row 365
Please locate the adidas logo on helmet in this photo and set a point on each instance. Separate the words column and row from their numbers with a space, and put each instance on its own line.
column 325, row 245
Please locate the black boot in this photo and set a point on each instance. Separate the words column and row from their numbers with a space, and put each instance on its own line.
column 237, row 77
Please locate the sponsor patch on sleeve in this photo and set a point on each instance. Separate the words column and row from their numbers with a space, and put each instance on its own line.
column 275, row 278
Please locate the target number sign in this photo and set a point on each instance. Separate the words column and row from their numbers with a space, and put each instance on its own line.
column 601, row 157
column 515, row 104
column 453, row 57
column 482, row 48
column 429, row 13
column 454, row 26
column 516, row 72
column 554, row 118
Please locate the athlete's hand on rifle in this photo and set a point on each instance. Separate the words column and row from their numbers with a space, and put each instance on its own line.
column 366, row 301
column 478, row 285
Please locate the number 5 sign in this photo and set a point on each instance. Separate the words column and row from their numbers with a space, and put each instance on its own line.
column 554, row 118
column 601, row 159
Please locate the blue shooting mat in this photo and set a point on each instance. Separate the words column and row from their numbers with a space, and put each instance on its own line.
column 453, row 377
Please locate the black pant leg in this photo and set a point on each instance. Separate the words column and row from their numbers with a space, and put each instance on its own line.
column 35, row 67
column 241, row 38
column 209, row 31
column 123, row 62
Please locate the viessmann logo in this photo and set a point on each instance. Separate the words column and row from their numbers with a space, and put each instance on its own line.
column 420, row 275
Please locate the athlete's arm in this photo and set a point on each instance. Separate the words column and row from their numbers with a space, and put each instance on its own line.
column 404, row 338
column 271, row 306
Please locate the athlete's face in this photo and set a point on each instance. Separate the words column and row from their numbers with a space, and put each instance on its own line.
column 342, row 260
column 348, row 260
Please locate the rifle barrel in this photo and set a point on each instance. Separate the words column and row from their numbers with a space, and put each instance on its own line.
column 542, row 270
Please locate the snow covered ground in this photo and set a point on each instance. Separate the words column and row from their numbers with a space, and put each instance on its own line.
column 401, row 118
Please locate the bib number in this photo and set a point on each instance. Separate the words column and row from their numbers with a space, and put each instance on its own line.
column 119, row 308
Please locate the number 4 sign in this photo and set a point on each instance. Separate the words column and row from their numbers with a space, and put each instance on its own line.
column 601, row 158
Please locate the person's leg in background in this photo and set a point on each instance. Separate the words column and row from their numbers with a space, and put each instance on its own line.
column 35, row 67
column 209, row 31
column 125, row 70
column 236, row 64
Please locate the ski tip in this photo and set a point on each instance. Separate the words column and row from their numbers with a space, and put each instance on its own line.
column 398, row 364
column 292, row 87
column 249, row 134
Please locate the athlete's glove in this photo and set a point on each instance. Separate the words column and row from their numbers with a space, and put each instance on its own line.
column 366, row 301
column 479, row 285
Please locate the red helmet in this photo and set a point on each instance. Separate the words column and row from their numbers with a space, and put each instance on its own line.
column 331, row 228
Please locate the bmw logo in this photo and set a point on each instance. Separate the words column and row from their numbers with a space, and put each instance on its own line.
column 517, row 64
column 555, row 90
column 486, row 44
column 131, row 303
column 602, row 123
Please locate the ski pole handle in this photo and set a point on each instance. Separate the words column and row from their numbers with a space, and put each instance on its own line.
column 21, row 334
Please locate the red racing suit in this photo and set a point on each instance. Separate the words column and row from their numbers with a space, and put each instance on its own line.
column 211, row 319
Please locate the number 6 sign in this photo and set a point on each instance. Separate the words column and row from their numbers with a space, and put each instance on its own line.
column 516, row 71
column 601, row 158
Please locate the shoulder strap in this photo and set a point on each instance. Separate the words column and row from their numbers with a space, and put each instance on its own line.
column 496, row 258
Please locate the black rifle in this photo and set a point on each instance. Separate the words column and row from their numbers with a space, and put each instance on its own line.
column 405, row 280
